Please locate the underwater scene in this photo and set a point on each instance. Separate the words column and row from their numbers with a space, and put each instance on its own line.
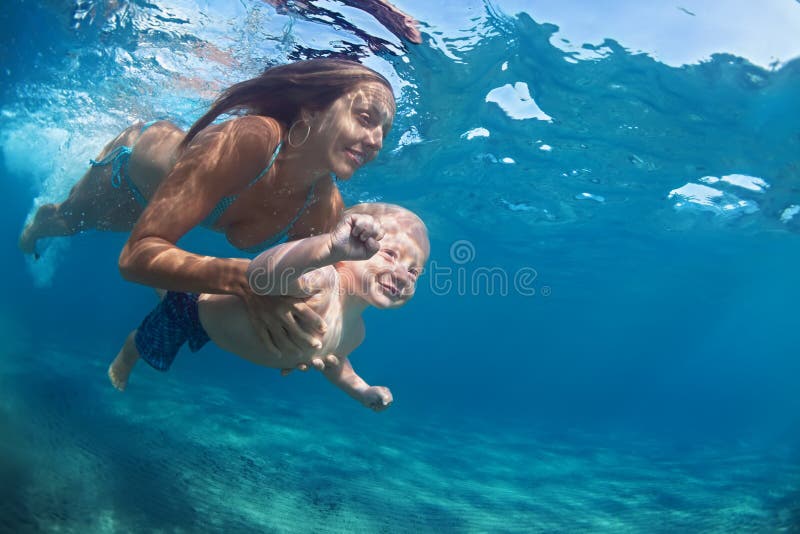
column 604, row 336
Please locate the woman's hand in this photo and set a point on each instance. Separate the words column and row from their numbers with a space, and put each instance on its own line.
column 286, row 325
column 329, row 362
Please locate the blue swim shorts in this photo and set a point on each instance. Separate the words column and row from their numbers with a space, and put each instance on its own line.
column 172, row 323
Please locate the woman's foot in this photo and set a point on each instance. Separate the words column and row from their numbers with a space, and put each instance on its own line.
column 27, row 240
column 120, row 369
column 32, row 232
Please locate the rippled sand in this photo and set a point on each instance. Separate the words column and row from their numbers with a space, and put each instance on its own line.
column 173, row 456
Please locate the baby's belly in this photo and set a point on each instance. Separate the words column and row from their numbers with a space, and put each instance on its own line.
column 227, row 323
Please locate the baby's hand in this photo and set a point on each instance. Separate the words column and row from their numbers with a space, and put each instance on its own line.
column 356, row 238
column 377, row 397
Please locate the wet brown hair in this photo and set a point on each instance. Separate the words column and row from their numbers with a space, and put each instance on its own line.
column 281, row 92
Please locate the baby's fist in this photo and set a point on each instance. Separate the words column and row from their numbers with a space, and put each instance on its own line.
column 356, row 237
column 377, row 397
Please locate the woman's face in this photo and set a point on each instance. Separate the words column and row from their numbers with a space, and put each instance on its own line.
column 351, row 131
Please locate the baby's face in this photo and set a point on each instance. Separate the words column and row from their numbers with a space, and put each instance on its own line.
column 389, row 278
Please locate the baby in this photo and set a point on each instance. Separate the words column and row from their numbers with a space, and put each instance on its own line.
column 372, row 258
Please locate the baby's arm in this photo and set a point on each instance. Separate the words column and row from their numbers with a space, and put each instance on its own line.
column 279, row 270
column 345, row 378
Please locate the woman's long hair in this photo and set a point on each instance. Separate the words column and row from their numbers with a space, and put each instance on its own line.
column 280, row 92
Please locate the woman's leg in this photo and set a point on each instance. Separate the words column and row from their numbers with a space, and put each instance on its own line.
column 93, row 203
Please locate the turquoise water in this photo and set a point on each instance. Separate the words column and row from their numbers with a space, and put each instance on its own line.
column 641, row 375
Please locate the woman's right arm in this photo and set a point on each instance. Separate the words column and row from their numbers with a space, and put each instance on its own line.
column 216, row 163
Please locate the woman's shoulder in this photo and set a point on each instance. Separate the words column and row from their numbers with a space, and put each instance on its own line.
column 263, row 132
column 238, row 149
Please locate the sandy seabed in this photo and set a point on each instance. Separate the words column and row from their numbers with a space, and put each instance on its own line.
column 172, row 456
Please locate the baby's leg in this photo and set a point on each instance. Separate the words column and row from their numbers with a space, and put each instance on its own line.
column 120, row 369
column 93, row 203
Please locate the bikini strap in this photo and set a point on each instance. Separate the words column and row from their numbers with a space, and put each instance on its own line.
column 268, row 167
column 283, row 235
column 118, row 158
column 226, row 202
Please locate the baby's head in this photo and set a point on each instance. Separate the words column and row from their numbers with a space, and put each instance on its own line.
column 389, row 278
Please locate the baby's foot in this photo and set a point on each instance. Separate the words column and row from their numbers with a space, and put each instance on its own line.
column 120, row 369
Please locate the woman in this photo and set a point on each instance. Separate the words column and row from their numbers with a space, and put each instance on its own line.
column 260, row 178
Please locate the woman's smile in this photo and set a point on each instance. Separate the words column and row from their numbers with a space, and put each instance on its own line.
column 356, row 156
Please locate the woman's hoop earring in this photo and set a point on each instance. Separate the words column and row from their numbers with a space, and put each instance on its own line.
column 305, row 137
